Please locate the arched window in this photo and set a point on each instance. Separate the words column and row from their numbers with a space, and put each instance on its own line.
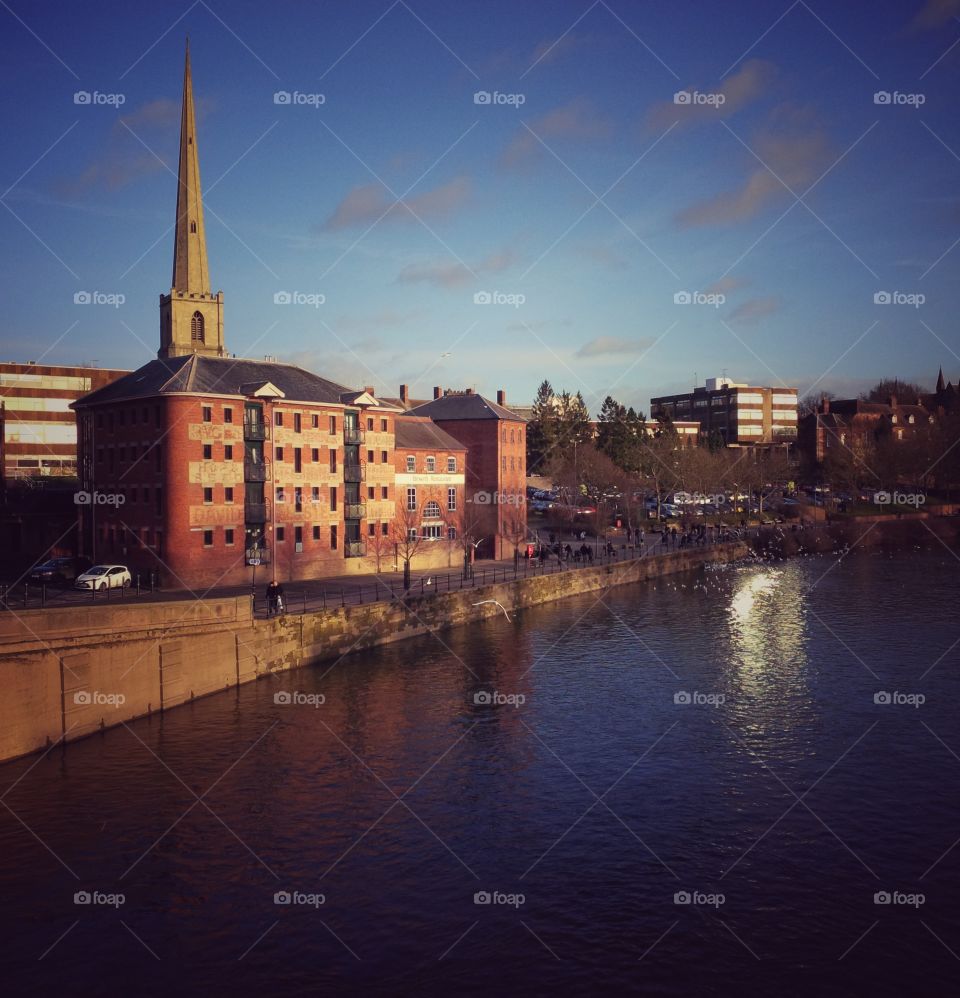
column 431, row 511
column 196, row 328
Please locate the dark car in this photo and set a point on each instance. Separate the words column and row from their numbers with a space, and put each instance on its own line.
column 58, row 571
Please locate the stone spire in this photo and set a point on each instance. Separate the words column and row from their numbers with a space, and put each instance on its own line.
column 191, row 316
column 940, row 382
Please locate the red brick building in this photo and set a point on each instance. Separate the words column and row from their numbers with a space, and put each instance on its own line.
column 496, row 474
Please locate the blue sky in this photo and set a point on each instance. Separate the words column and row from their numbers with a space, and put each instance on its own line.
column 596, row 200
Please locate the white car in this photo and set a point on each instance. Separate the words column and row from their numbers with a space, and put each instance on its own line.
column 104, row 577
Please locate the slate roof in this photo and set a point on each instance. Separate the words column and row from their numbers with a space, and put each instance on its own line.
column 217, row 376
column 421, row 433
column 461, row 405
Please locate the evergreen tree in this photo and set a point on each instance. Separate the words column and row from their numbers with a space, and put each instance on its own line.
column 542, row 429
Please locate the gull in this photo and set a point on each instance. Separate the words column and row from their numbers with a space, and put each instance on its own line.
column 507, row 615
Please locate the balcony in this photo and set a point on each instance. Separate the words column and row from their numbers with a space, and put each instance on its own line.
column 255, row 512
column 353, row 435
column 354, row 510
column 353, row 472
column 254, row 471
column 259, row 555
column 354, row 549
column 254, row 429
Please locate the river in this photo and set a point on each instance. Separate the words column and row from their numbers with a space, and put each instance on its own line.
column 678, row 787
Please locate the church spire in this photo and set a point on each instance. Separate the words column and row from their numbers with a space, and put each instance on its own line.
column 940, row 382
column 190, row 273
column 191, row 315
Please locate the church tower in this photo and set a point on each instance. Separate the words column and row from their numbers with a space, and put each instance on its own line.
column 191, row 316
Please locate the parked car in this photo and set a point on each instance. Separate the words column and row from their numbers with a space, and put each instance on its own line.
column 104, row 577
column 58, row 571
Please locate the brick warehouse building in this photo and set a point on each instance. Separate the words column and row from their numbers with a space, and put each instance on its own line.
column 496, row 474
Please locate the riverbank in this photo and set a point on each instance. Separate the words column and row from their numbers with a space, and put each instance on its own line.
column 70, row 673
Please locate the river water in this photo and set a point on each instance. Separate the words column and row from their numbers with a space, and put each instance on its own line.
column 680, row 787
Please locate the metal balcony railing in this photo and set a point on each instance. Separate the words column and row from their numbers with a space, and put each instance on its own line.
column 353, row 435
column 354, row 510
column 262, row 555
column 353, row 472
column 254, row 429
column 254, row 471
column 255, row 512
column 354, row 549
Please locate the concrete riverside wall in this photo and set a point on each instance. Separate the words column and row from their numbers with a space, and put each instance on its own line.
column 71, row 672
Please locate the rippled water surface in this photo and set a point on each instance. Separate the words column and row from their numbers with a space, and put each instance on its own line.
column 781, row 799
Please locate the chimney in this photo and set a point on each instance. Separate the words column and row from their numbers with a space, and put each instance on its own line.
column 501, row 397
column 404, row 394
column 825, row 405
column 369, row 389
column 469, row 391
column 437, row 393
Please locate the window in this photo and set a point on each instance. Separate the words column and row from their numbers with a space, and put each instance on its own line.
column 384, row 492
column 412, row 533
column 228, row 493
column 383, row 426
column 281, row 494
column 158, row 502
column 503, row 464
column 208, row 496
column 384, row 529
column 279, row 453
column 370, row 424
column 411, row 464
column 316, row 533
column 228, row 452
column 511, row 435
column 371, row 492
column 432, row 531
column 228, row 536
column 411, row 499
column 278, row 418
column 315, row 454
column 298, row 537
column 196, row 330
column 297, row 460
column 133, row 417
column 207, row 414
column 503, row 434
column 158, row 457
column 208, row 538
column 372, row 527
column 333, row 499
column 451, row 464
column 333, row 426
column 451, row 533
column 227, row 414
column 333, row 460
column 431, row 511
column 208, row 452
column 511, row 463
column 383, row 457
column 451, row 499
column 899, row 434
column 893, row 418
column 370, row 457
column 910, row 419
column 333, row 537
column 315, row 493
column 297, row 423
column 314, row 421
column 281, row 535
column 431, row 464
column 298, row 500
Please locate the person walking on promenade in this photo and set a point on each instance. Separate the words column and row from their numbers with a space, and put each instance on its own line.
column 274, row 598
column 640, row 538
